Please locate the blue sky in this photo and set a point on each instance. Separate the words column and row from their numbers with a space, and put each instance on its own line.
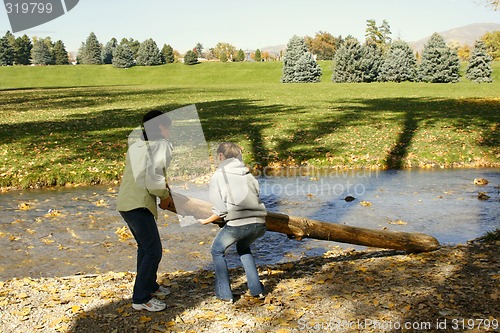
column 252, row 24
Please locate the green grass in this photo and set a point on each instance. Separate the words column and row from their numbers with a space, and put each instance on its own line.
column 69, row 124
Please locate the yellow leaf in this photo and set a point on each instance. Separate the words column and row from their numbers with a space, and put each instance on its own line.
column 75, row 308
column 145, row 319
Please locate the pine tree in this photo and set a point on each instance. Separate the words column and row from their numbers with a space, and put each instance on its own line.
column 258, row 55
column 295, row 49
column 439, row 63
column 60, row 53
column 371, row 61
column 190, row 58
column 92, row 51
column 299, row 64
column 123, row 56
column 149, row 54
column 348, row 62
column 41, row 53
column 22, row 52
column 107, row 51
column 400, row 63
column 240, row 56
column 479, row 68
column 6, row 52
column 167, row 53
column 306, row 69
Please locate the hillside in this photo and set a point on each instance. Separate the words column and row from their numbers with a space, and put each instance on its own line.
column 463, row 35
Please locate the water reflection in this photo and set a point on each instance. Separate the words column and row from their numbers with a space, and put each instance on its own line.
column 57, row 232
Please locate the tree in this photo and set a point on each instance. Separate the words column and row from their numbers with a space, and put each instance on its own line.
column 323, row 45
column 348, row 62
column 240, row 56
column 190, row 58
column 41, row 53
column 495, row 4
column 91, row 53
column 60, row 53
column 167, row 53
column 378, row 35
column 492, row 43
column 306, row 69
column 149, row 54
column 123, row 56
column 22, row 50
column 295, row 49
column 133, row 44
column 258, row 55
column 479, row 68
column 400, row 63
column 6, row 52
column 107, row 51
column 224, row 51
column 198, row 49
column 371, row 61
column 439, row 63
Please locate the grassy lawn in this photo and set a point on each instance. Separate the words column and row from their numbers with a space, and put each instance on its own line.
column 69, row 124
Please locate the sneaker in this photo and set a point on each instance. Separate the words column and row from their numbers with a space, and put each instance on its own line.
column 153, row 305
column 161, row 292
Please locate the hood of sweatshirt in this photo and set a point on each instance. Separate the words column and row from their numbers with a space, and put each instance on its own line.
column 233, row 166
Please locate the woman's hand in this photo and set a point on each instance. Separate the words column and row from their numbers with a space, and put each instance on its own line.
column 166, row 203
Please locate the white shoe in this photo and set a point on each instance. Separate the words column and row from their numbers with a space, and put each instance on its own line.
column 153, row 305
column 161, row 292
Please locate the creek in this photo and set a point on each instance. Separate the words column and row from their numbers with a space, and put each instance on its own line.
column 66, row 231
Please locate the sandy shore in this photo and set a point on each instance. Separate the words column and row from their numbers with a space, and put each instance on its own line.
column 454, row 289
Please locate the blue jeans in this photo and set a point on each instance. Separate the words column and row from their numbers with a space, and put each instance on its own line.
column 142, row 224
column 243, row 236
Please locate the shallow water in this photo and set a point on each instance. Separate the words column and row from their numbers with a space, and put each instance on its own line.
column 58, row 232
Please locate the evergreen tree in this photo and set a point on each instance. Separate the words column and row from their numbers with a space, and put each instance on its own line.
column 167, row 53
column 199, row 50
column 123, row 56
column 6, row 52
column 60, row 53
column 149, row 54
column 41, row 54
column 479, row 68
column 240, row 56
column 295, row 49
column 258, row 55
column 92, row 51
column 371, row 61
column 107, row 51
column 190, row 58
column 133, row 44
column 400, row 63
column 439, row 63
column 348, row 62
column 306, row 69
column 22, row 51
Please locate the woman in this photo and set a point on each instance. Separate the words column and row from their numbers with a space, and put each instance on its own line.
column 234, row 193
column 143, row 182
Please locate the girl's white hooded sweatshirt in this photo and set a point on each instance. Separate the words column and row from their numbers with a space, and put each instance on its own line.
column 234, row 193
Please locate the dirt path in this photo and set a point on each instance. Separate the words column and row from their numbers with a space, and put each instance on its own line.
column 454, row 289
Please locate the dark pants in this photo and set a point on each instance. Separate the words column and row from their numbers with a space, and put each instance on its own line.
column 142, row 224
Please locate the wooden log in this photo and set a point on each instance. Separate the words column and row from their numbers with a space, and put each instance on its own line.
column 300, row 227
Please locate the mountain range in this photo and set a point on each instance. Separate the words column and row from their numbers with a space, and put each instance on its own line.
column 463, row 35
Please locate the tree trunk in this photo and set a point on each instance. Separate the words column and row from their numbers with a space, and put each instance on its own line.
column 300, row 227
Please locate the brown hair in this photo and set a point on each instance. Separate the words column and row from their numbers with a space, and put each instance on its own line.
column 229, row 149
